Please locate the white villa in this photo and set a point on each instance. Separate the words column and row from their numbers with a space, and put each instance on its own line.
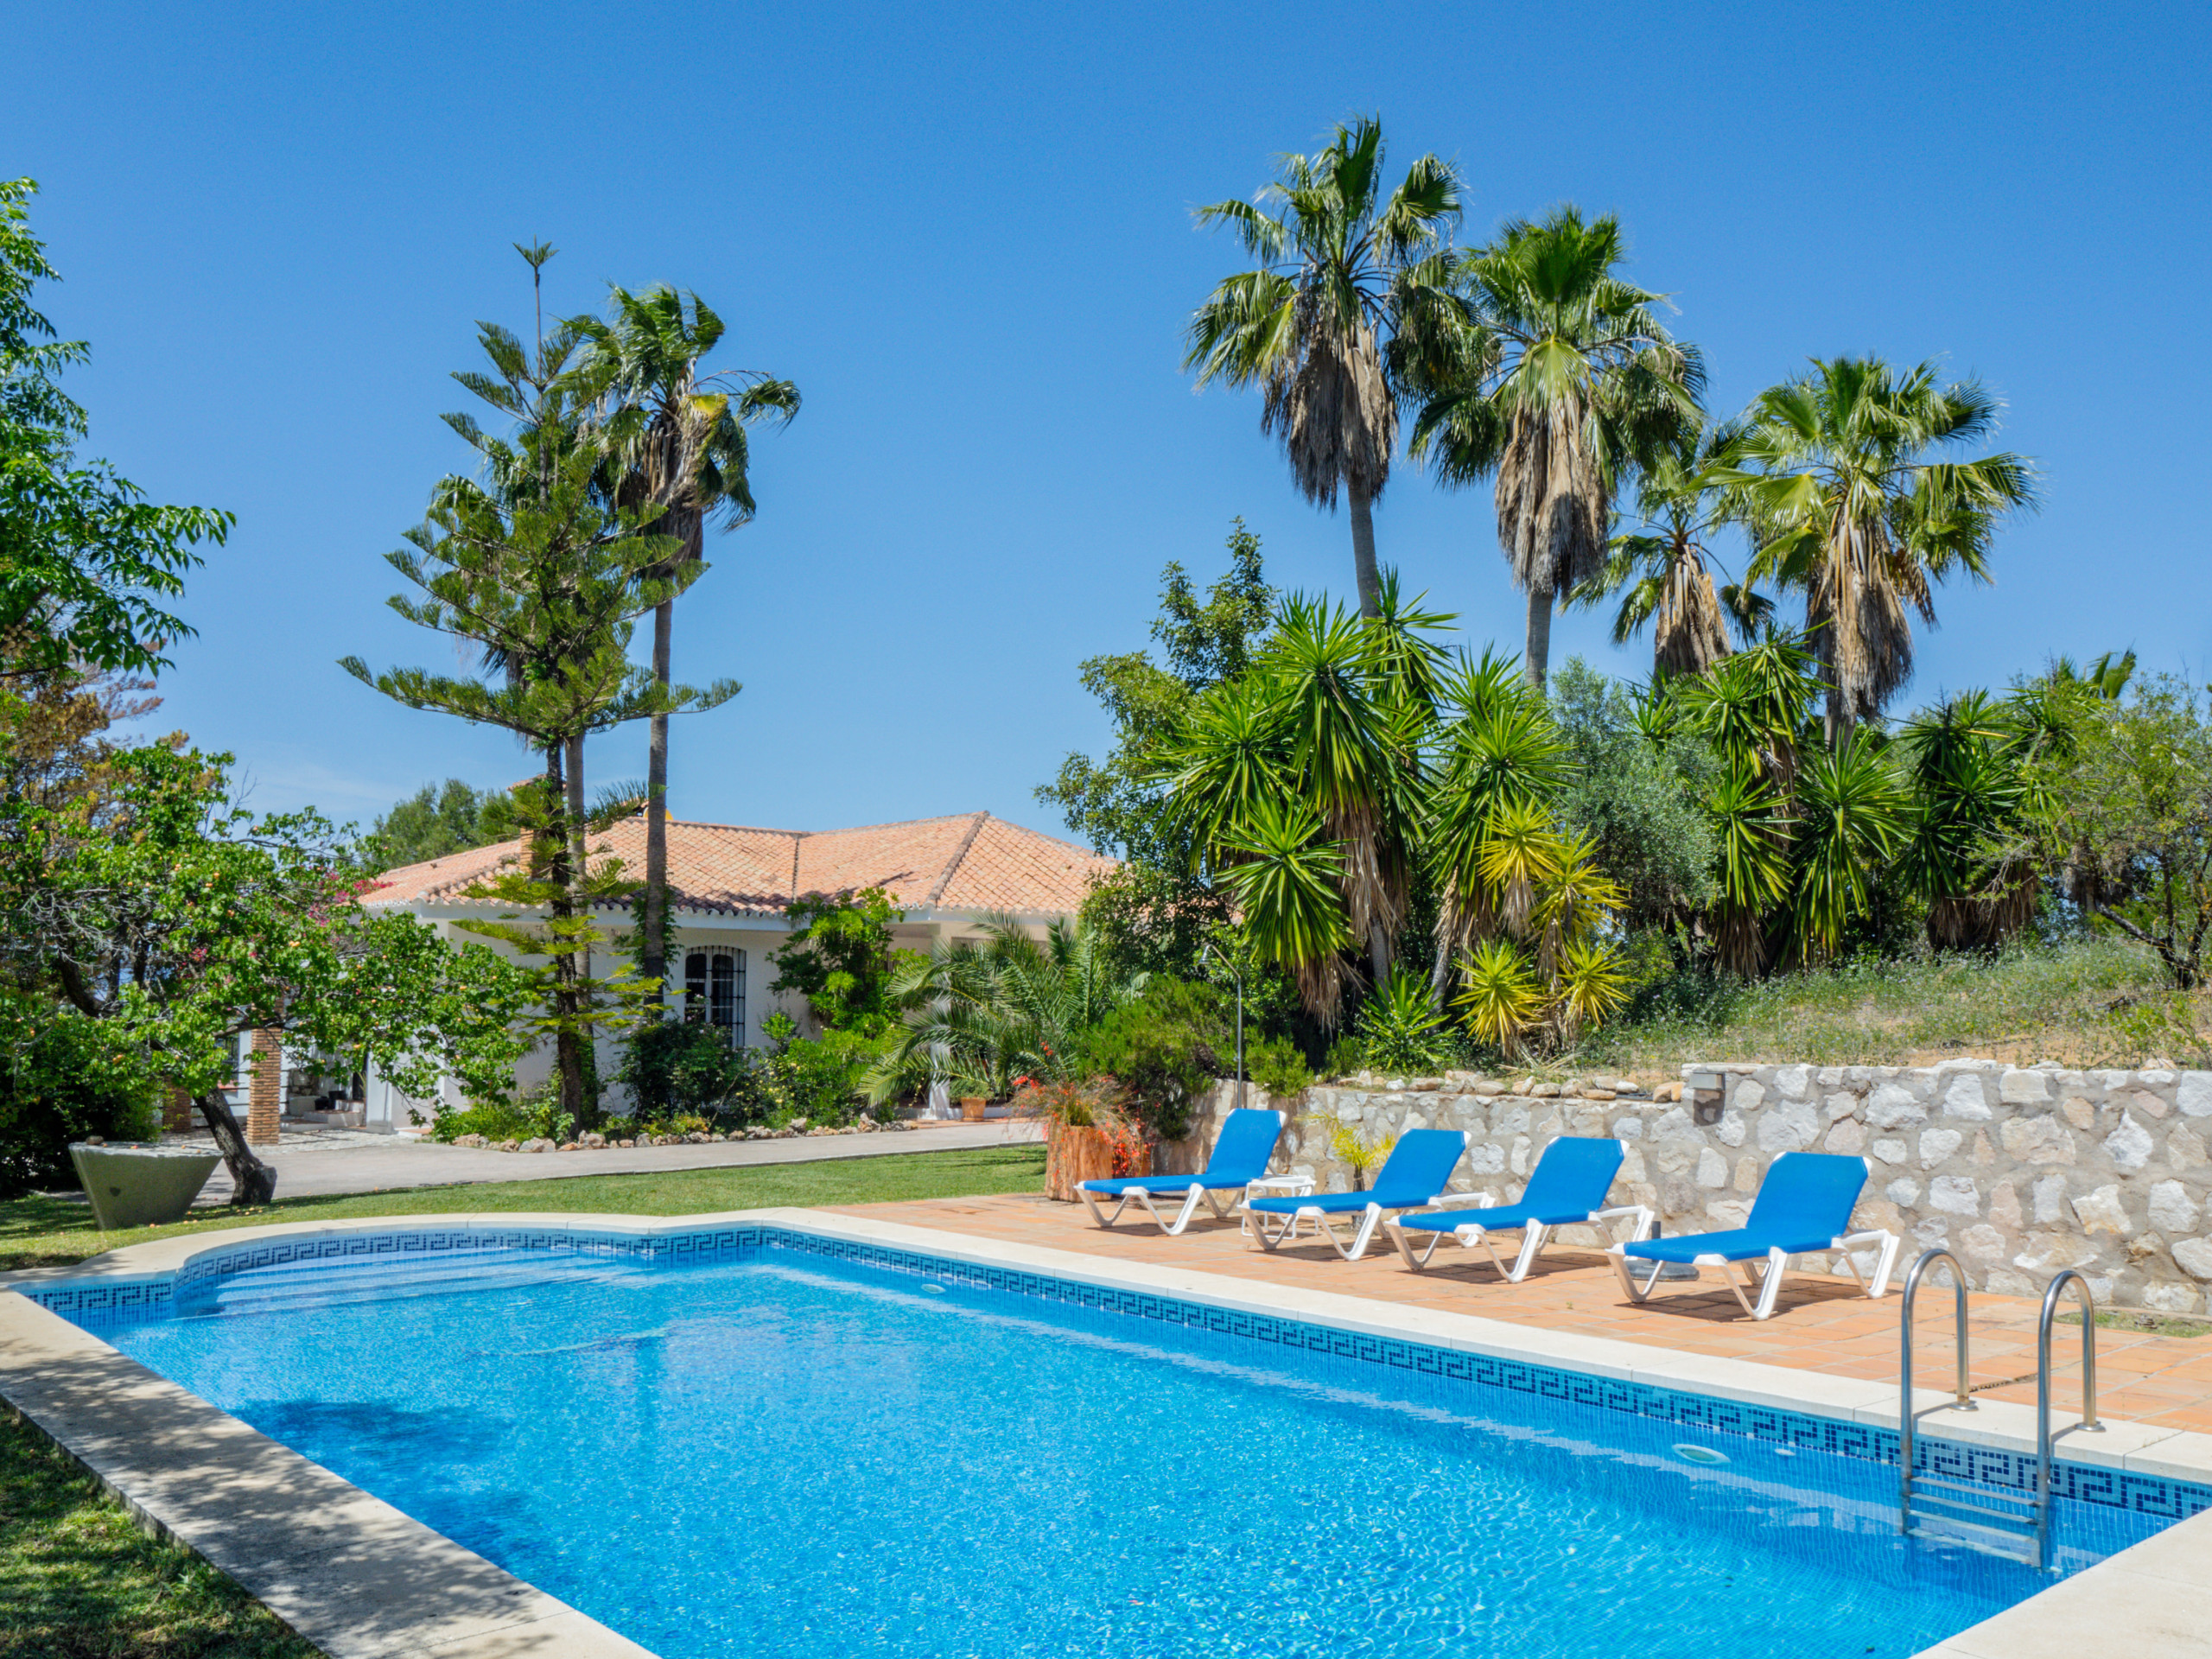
column 729, row 887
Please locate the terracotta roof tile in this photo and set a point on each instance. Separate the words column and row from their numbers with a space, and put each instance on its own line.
column 970, row 861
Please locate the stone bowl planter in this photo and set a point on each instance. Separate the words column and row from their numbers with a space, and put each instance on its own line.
column 135, row 1184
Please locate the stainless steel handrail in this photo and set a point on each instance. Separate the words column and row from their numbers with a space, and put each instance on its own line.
column 2043, row 1393
column 1963, row 1403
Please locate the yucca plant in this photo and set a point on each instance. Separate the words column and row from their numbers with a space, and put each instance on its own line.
column 1399, row 1030
column 1853, row 811
column 1593, row 986
column 1752, row 828
column 1357, row 1151
column 1285, row 882
column 1969, row 817
column 1499, row 998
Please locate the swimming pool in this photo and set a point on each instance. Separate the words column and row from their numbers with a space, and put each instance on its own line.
column 751, row 1439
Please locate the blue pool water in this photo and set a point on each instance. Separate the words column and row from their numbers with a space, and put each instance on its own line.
column 789, row 1453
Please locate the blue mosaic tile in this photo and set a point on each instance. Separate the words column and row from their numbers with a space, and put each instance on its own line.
column 93, row 1305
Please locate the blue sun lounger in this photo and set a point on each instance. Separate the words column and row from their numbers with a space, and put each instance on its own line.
column 1240, row 1157
column 1803, row 1208
column 1569, row 1187
column 1412, row 1179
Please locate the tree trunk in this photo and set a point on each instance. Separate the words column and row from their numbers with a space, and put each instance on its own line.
column 1439, row 974
column 1378, row 954
column 252, row 1182
column 1537, row 661
column 568, row 1039
column 1838, row 723
column 576, row 792
column 652, row 957
column 1362, row 551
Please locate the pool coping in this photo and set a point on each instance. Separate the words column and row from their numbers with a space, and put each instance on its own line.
column 163, row 1465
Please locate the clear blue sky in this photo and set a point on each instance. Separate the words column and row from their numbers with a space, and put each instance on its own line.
column 965, row 232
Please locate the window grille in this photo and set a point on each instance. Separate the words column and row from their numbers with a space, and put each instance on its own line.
column 714, row 992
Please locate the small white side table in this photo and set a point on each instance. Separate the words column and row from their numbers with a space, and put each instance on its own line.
column 1279, row 1187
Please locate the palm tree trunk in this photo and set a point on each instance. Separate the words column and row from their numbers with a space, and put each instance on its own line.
column 1378, row 953
column 1363, row 549
column 1536, row 663
column 653, row 959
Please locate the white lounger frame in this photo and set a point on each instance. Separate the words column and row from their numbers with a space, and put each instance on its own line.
column 1768, row 1282
column 1223, row 1201
column 1363, row 1235
column 1641, row 1220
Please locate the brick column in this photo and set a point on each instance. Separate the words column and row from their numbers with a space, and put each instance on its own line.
column 176, row 1111
column 264, row 1101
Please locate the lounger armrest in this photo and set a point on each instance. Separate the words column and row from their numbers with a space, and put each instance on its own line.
column 1461, row 1201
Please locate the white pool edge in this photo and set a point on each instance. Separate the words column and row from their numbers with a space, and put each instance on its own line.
column 2161, row 1587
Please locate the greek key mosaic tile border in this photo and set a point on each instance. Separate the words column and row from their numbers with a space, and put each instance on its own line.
column 93, row 1305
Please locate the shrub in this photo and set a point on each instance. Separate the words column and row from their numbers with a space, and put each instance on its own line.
column 1165, row 1048
column 839, row 956
column 821, row 1080
column 60, row 1082
column 1276, row 1065
column 678, row 1067
column 536, row 1114
column 1399, row 1031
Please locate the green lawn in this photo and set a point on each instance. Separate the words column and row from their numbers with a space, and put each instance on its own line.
column 42, row 1231
column 79, row 1580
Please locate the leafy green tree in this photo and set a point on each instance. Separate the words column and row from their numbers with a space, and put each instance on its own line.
column 1849, row 505
column 2123, row 809
column 544, row 390
column 1400, row 1031
column 435, row 821
column 1114, row 804
column 677, row 439
column 1552, row 375
column 552, row 584
column 167, row 921
column 839, row 956
column 1640, row 802
column 1311, row 324
column 87, row 565
column 1153, row 914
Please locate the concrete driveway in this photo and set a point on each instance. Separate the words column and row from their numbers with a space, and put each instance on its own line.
column 323, row 1163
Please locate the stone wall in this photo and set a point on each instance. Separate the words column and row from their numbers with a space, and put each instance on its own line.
column 2021, row 1170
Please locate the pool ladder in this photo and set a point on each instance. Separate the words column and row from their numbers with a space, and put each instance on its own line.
column 2027, row 1517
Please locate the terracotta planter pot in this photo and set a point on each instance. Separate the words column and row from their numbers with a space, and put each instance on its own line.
column 1075, row 1154
column 972, row 1109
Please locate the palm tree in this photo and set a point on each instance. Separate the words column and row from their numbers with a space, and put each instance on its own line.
column 1847, row 505
column 1309, row 325
column 1661, row 571
column 983, row 1014
column 678, row 438
column 1551, row 374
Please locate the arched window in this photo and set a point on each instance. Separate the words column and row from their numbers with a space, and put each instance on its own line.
column 714, row 992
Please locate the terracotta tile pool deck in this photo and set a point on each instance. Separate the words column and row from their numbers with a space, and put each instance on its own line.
column 1823, row 1324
